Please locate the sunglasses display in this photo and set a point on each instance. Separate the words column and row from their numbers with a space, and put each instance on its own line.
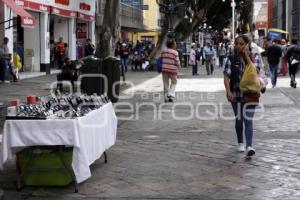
column 60, row 107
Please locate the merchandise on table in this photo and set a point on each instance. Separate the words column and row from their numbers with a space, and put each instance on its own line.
column 62, row 106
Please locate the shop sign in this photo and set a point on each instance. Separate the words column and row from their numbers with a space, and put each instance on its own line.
column 27, row 22
column 63, row 2
column 63, row 12
column 19, row 3
column 81, row 30
column 84, row 6
column 85, row 17
column 36, row 6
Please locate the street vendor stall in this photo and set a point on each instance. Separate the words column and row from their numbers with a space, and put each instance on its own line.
column 89, row 135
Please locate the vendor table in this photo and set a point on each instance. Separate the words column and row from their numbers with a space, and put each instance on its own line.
column 89, row 136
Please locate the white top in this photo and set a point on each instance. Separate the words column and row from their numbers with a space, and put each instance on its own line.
column 4, row 51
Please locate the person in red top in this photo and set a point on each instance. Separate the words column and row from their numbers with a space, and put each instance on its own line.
column 60, row 52
column 170, row 68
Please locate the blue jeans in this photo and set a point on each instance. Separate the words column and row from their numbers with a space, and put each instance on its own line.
column 273, row 73
column 243, row 114
column 124, row 62
column 194, row 69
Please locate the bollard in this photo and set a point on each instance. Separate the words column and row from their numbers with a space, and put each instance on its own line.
column 1, row 194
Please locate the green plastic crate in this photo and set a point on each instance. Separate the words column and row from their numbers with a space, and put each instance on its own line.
column 53, row 176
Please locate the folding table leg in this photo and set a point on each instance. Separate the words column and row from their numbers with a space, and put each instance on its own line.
column 22, row 173
column 60, row 154
column 105, row 157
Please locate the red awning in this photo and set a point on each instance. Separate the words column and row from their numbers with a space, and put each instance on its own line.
column 27, row 20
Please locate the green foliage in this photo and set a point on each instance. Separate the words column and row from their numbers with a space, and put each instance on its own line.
column 218, row 14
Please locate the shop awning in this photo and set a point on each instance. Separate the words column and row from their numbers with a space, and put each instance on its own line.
column 27, row 20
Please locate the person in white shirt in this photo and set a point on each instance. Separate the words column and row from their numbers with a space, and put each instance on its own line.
column 222, row 55
column 208, row 54
column 192, row 59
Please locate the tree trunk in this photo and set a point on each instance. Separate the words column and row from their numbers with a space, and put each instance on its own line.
column 110, row 29
column 162, row 40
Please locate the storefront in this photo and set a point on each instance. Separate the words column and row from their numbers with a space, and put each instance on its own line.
column 85, row 27
column 9, row 11
column 53, row 19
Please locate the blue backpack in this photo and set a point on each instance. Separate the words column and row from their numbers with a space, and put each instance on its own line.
column 159, row 64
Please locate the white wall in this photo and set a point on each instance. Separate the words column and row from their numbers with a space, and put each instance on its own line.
column 45, row 38
column 72, row 39
column 91, row 32
column 8, row 32
column 61, row 28
column 32, row 41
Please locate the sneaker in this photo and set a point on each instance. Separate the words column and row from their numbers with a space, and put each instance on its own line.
column 171, row 100
column 241, row 147
column 250, row 151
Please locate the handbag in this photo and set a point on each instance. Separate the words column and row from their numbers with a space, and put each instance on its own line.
column 251, row 98
column 250, row 81
column 159, row 65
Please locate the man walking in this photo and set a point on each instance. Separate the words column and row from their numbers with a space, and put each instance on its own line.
column 293, row 58
column 60, row 52
column 208, row 54
column 4, row 59
column 193, row 60
column 274, row 54
column 170, row 68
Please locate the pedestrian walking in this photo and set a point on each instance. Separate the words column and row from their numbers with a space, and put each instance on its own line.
column 170, row 68
column 293, row 58
column 193, row 60
column 4, row 60
column 284, row 47
column 208, row 54
column 60, row 52
column 274, row 54
column 222, row 55
column 124, row 54
column 243, row 111
column 11, row 68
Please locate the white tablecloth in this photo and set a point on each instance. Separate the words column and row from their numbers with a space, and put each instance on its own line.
column 90, row 136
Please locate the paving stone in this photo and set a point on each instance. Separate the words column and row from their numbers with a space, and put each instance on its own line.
column 185, row 159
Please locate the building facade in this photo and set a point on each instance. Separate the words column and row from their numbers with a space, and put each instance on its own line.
column 73, row 20
column 286, row 16
column 151, row 20
column 132, row 20
column 295, row 16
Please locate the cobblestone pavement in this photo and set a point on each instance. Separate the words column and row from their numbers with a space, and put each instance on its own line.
column 160, row 155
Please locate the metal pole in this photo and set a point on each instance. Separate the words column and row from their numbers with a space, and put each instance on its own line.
column 233, row 20
column 287, row 17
